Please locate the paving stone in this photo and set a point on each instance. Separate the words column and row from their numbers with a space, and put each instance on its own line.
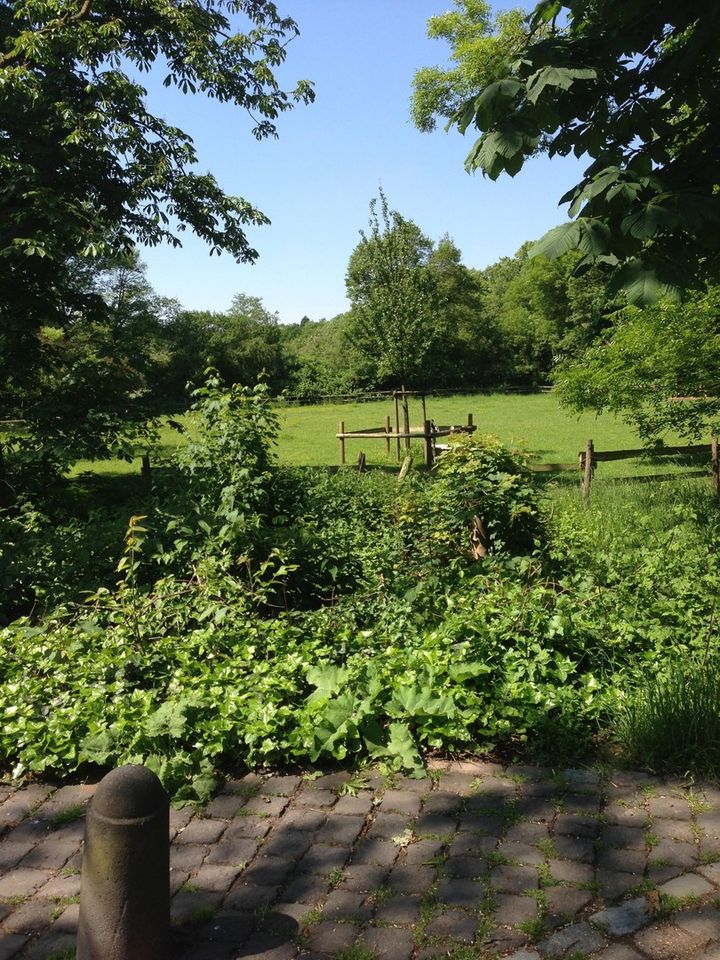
column 620, row 858
column 689, row 885
column 20, row 803
column 581, row 804
column 576, row 826
column 581, row 776
column 618, row 835
column 704, row 922
column 626, row 918
column 461, row 893
column 68, row 920
column 660, row 873
column 323, row 859
column 50, row 854
column 268, row 871
column 347, row 905
column 615, row 883
column 535, row 809
column 30, row 917
column 340, row 830
column 524, row 955
column 23, row 882
column 315, row 798
column 246, row 786
column 471, row 844
column 359, row 805
column 250, row 896
column 376, row 851
column 421, row 851
column 435, row 824
column 505, row 938
column 476, row 822
column 710, row 824
column 566, row 902
column 207, row 951
column 11, row 944
column 290, row 844
column 411, row 878
column 269, row 946
column 401, row 801
column 329, row 781
column 525, row 773
column 189, row 906
column 667, row 942
column 216, row 876
column 711, row 872
column 229, row 927
column 570, row 871
column 256, row 827
column 179, row 818
column 511, row 910
column 676, row 854
column 61, row 887
column 265, row 806
column 388, row 943
column 401, row 910
column 575, row 848
column 618, row 951
column 305, row 888
column 201, row 830
column 444, row 803
column 672, row 830
column 30, row 829
column 287, row 919
column 224, row 806
column 509, row 879
column 522, row 853
column 617, row 814
column 307, row 820
column 12, row 852
column 676, row 808
column 362, row 876
column 187, row 857
column 50, row 946
column 332, row 937
column 527, row 832
column 236, row 850
column 454, row 924
column 279, row 786
column 462, row 783
column 416, row 784
column 466, row 867
column 578, row 937
column 388, row 825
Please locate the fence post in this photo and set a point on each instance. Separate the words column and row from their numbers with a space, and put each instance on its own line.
column 470, row 421
column 145, row 468
column 125, row 883
column 589, row 467
column 715, row 465
column 341, row 440
column 387, row 434
column 406, row 420
column 428, row 443
column 397, row 425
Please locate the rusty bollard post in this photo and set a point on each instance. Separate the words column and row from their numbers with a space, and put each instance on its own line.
column 125, row 887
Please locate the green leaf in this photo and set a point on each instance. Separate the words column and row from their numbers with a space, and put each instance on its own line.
column 560, row 77
column 642, row 284
column 557, row 241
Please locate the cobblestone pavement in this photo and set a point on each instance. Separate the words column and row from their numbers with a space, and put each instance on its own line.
column 475, row 861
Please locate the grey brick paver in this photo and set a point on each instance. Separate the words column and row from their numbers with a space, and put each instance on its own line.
column 269, row 852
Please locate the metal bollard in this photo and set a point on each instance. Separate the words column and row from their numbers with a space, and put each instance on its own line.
column 125, row 886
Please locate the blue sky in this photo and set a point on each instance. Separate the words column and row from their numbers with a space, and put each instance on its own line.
column 315, row 182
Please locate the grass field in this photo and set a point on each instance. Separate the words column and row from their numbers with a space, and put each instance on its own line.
column 535, row 422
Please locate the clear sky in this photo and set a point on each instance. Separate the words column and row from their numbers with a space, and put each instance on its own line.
column 315, row 182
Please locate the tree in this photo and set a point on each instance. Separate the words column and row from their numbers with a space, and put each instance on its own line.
column 656, row 367
column 632, row 84
column 392, row 294
column 85, row 169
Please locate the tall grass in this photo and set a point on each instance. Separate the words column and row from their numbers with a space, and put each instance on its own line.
column 673, row 724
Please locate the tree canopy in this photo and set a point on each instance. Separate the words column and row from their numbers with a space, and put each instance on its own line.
column 632, row 85
column 85, row 168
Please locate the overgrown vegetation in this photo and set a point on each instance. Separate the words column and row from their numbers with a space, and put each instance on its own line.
column 266, row 615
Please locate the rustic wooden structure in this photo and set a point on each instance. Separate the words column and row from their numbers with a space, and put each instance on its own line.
column 428, row 433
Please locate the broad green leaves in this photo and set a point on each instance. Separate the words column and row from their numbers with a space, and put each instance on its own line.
column 632, row 87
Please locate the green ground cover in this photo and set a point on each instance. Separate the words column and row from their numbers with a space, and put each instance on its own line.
column 265, row 614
